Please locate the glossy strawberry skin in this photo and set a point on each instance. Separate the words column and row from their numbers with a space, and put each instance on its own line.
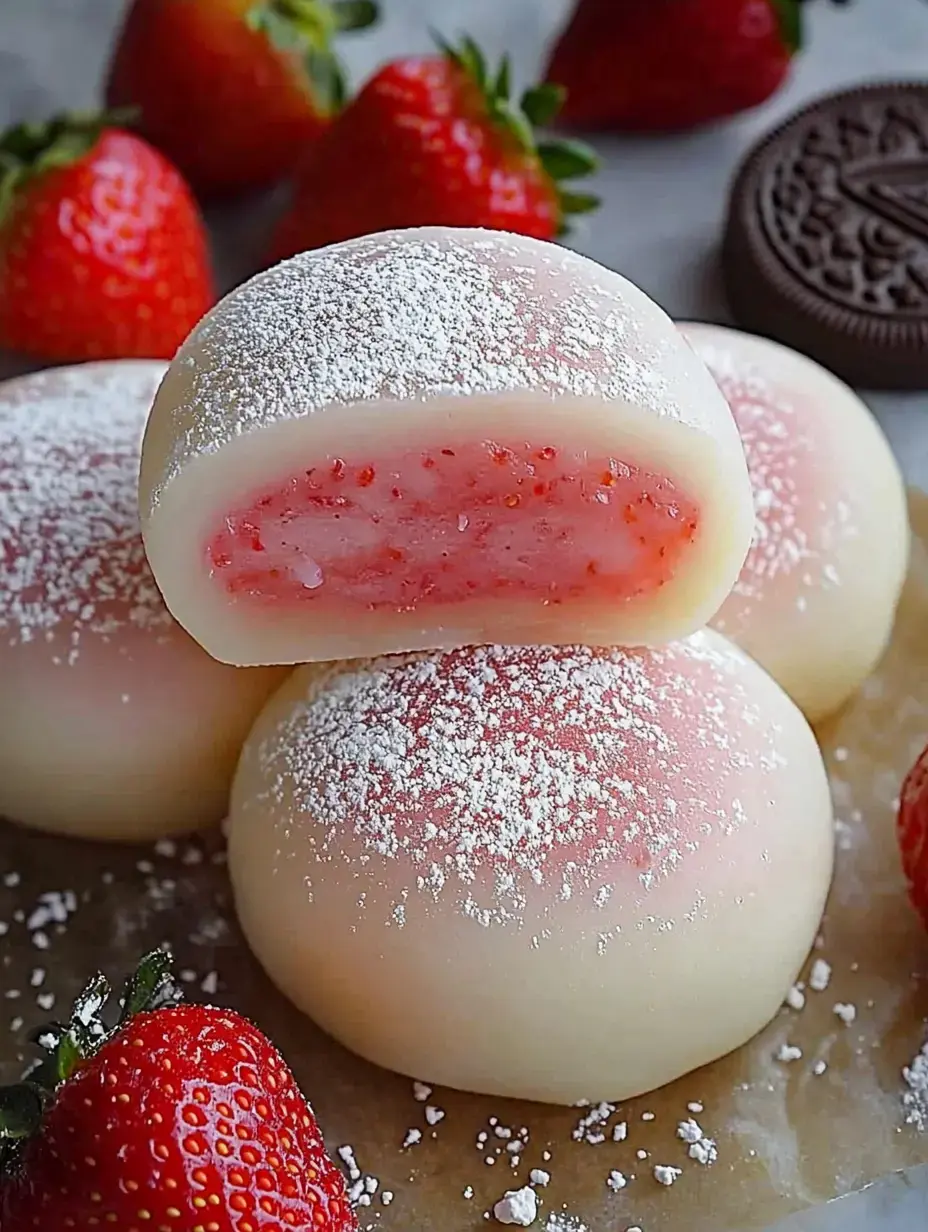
column 912, row 829
column 416, row 148
column 233, row 111
column 187, row 1119
column 668, row 65
column 104, row 259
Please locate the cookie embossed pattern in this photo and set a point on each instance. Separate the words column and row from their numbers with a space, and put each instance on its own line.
column 826, row 246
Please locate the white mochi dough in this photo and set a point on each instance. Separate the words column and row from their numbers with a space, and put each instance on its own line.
column 114, row 724
column 817, row 596
column 552, row 874
column 433, row 438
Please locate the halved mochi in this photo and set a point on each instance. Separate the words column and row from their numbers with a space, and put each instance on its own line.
column 437, row 437
column 114, row 723
column 816, row 598
column 546, row 873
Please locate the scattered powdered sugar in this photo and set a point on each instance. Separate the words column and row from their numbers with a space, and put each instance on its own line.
column 796, row 998
column 665, row 1174
column 422, row 314
column 846, row 1012
column 561, row 1221
column 517, row 1206
column 915, row 1098
column 73, row 563
column 561, row 767
column 789, row 1052
column 820, row 975
column 798, row 527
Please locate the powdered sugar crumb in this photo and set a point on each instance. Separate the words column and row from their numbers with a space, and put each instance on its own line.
column 664, row 1174
column 820, row 976
column 518, row 1207
column 915, row 1098
column 560, row 1221
column 796, row 998
column 846, row 1012
column 788, row 1053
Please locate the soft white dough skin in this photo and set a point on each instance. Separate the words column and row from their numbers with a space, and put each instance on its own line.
column 817, row 596
column 115, row 724
column 547, row 874
column 388, row 342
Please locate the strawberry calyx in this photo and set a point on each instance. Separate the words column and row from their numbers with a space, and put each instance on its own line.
column 562, row 159
column 28, row 150
column 789, row 15
column 68, row 1046
column 308, row 28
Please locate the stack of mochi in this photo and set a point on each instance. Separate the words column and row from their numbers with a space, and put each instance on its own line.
column 520, row 822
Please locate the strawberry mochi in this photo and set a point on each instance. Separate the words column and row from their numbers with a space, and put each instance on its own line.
column 817, row 596
column 115, row 724
column 438, row 437
column 547, row 873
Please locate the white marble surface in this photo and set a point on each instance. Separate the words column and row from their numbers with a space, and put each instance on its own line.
column 664, row 198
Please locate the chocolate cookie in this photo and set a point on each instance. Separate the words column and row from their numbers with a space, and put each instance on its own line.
column 826, row 244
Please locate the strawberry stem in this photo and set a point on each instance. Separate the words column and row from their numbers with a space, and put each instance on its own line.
column 69, row 1045
column 30, row 149
column 308, row 27
column 561, row 160
column 789, row 15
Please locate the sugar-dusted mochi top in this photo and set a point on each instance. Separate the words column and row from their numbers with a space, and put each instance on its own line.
column 421, row 314
column 70, row 544
column 501, row 781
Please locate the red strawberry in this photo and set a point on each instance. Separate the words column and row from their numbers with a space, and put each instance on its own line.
column 665, row 65
column 103, row 254
column 233, row 90
column 437, row 140
column 912, row 827
column 183, row 1118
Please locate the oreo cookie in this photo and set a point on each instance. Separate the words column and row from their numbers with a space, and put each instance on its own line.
column 826, row 243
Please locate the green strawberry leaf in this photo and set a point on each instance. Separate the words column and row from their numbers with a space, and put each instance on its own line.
column 560, row 160
column 789, row 15
column 29, row 149
column 541, row 103
column 21, row 1108
column 567, row 160
column 308, row 28
column 150, row 987
column 580, row 203
column 354, row 14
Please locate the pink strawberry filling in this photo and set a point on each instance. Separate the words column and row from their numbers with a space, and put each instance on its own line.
column 473, row 522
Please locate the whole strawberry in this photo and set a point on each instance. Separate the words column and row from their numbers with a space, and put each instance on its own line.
column 912, row 829
column 669, row 65
column 183, row 1117
column 103, row 254
column 232, row 91
column 437, row 140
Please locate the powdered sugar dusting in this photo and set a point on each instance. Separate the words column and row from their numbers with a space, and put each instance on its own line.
column 424, row 313
column 527, row 767
column 796, row 531
column 798, row 528
column 70, row 544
